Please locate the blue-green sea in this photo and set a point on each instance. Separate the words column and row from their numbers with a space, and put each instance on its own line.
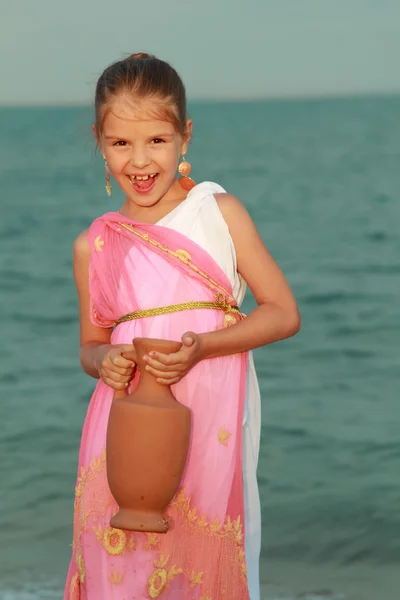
column 321, row 178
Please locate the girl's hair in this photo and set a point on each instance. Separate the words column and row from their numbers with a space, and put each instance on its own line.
column 143, row 76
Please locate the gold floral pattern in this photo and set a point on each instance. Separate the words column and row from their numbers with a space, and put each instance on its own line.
column 115, row 576
column 232, row 529
column 152, row 541
column 158, row 581
column 86, row 505
column 97, row 464
column 98, row 244
column 196, row 579
column 114, row 540
column 98, row 500
column 224, row 435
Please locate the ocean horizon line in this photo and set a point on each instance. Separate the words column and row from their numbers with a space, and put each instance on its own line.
column 307, row 97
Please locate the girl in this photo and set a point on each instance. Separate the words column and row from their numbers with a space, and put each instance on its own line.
column 167, row 246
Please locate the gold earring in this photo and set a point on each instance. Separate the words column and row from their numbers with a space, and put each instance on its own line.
column 184, row 170
column 108, row 178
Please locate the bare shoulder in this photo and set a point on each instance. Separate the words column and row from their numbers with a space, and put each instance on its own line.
column 81, row 245
column 228, row 203
column 233, row 211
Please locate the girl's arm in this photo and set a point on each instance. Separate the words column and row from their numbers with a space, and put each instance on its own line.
column 277, row 315
column 99, row 358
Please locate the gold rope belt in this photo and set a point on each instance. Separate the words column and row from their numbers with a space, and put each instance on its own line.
column 220, row 303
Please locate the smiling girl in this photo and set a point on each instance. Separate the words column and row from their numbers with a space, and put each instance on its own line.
column 172, row 243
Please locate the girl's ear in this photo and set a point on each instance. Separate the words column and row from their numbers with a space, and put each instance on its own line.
column 187, row 135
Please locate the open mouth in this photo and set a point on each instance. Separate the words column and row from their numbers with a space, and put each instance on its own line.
column 143, row 183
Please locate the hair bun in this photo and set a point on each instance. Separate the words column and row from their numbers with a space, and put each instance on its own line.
column 139, row 56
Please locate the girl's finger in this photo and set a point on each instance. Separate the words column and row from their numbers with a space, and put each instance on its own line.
column 115, row 384
column 163, row 374
column 121, row 362
column 117, row 374
column 117, row 377
column 167, row 359
column 113, row 368
column 160, row 366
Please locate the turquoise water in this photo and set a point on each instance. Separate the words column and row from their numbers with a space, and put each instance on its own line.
column 322, row 180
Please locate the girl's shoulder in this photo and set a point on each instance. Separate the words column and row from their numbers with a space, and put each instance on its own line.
column 81, row 243
column 84, row 241
column 225, row 200
column 205, row 189
column 97, row 226
column 209, row 190
column 81, row 253
column 228, row 203
column 238, row 220
column 211, row 198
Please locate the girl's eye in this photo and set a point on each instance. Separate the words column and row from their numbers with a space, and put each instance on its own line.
column 157, row 141
column 120, row 143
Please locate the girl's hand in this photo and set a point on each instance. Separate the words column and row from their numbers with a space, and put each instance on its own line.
column 170, row 368
column 115, row 369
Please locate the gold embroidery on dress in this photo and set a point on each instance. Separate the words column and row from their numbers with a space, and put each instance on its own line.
column 98, row 244
column 215, row 526
column 96, row 506
column 74, row 587
column 115, row 577
column 196, row 579
column 114, row 540
column 157, row 582
column 229, row 320
column 80, row 565
column 152, row 540
column 223, row 436
column 229, row 528
column 182, row 256
column 159, row 579
column 117, row 542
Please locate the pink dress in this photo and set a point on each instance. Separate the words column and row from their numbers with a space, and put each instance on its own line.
column 215, row 529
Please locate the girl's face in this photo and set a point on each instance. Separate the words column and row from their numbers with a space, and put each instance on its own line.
column 142, row 153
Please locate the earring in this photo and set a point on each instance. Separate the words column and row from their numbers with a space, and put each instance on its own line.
column 108, row 178
column 184, row 170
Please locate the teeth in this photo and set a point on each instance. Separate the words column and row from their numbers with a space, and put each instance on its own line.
column 141, row 177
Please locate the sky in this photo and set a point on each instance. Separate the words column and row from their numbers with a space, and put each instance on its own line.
column 52, row 52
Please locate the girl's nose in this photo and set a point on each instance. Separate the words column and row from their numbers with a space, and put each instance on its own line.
column 139, row 158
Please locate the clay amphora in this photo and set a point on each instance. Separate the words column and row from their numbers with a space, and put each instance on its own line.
column 147, row 444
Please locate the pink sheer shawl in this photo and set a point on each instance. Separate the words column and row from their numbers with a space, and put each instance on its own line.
column 137, row 266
